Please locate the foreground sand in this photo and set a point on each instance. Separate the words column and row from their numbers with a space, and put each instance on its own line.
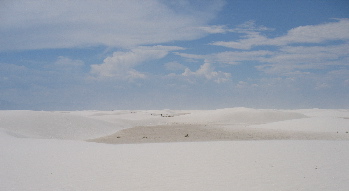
column 228, row 149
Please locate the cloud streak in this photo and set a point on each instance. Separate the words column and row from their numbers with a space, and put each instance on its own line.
column 121, row 64
column 291, row 58
column 40, row 24
column 302, row 49
column 338, row 30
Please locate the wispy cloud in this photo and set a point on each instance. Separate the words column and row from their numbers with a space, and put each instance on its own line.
column 231, row 57
column 302, row 49
column 121, row 64
column 43, row 24
column 292, row 58
column 338, row 30
column 67, row 64
column 251, row 36
column 215, row 29
column 174, row 66
column 287, row 60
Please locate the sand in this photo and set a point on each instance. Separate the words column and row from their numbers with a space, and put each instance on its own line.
column 201, row 133
column 226, row 149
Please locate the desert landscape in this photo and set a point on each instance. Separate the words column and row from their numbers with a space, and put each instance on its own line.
column 176, row 95
column 223, row 149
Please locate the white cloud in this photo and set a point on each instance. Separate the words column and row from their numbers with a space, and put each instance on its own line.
column 207, row 71
column 251, row 36
column 250, row 27
column 121, row 64
column 243, row 44
column 340, row 77
column 338, row 30
column 190, row 57
column 346, row 82
column 292, row 58
column 287, row 60
column 288, row 57
column 244, row 85
column 320, row 86
column 215, row 29
column 39, row 24
column 174, row 66
column 230, row 57
column 67, row 64
column 316, row 33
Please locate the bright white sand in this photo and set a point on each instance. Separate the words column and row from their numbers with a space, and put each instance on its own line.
column 227, row 149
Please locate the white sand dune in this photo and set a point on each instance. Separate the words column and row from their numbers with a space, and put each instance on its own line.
column 54, row 125
column 227, row 149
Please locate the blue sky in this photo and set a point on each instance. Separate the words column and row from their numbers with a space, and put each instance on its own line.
column 185, row 54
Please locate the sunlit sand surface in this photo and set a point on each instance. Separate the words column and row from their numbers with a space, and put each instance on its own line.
column 226, row 149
